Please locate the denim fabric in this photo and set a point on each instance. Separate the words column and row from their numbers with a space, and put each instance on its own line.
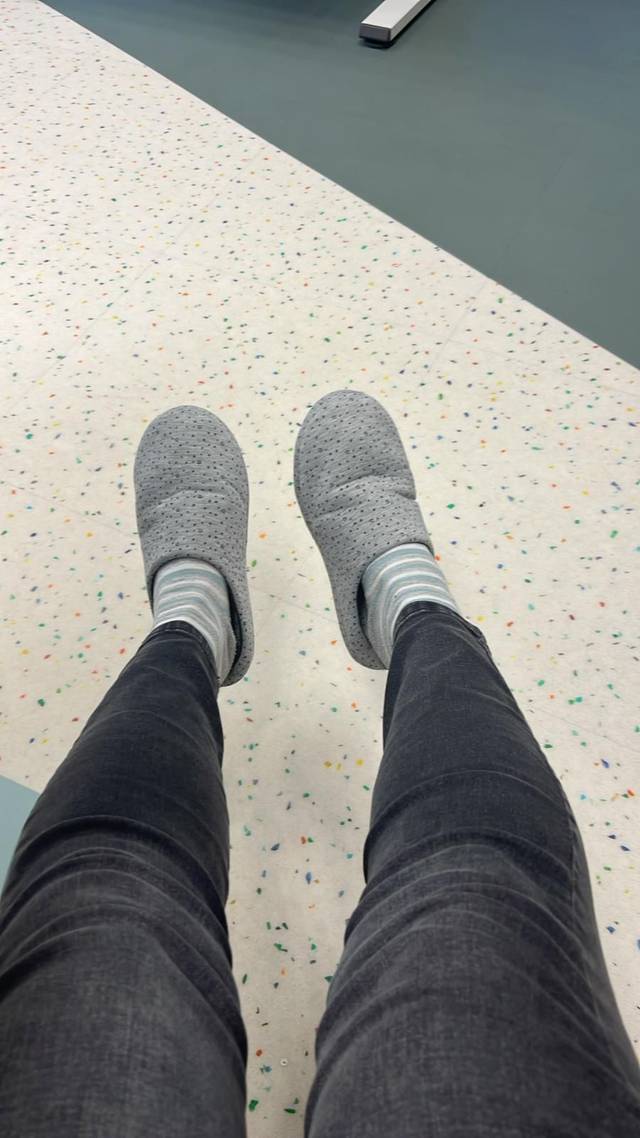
column 472, row 997
column 119, row 1015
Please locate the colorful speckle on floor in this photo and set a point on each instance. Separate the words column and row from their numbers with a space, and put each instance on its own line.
column 157, row 253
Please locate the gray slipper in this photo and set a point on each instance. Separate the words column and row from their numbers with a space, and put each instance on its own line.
column 358, row 497
column 192, row 500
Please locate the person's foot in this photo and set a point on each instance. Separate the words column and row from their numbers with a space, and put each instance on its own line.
column 192, row 505
column 357, row 495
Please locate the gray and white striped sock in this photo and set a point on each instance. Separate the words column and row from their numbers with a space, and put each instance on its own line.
column 194, row 591
column 397, row 578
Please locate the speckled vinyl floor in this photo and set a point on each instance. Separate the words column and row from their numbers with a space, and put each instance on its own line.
column 157, row 253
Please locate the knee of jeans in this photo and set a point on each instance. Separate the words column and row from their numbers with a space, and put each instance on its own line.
column 124, row 896
column 117, row 930
column 471, row 886
column 486, row 858
column 467, row 940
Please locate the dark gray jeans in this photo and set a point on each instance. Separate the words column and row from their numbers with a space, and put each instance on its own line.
column 472, row 998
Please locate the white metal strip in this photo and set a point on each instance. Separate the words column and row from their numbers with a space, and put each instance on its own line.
column 387, row 21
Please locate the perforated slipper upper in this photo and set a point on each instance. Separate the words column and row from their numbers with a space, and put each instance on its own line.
column 358, row 497
column 192, row 500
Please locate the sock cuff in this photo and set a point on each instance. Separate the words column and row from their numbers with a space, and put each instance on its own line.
column 197, row 593
column 397, row 578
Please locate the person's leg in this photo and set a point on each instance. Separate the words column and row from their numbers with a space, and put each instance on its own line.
column 472, row 997
column 119, row 1014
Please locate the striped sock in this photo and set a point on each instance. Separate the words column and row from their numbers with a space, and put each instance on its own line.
column 400, row 577
column 196, row 592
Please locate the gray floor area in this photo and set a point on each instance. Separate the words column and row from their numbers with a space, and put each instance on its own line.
column 506, row 131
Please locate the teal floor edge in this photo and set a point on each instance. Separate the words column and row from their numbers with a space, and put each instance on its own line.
column 16, row 803
column 505, row 132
